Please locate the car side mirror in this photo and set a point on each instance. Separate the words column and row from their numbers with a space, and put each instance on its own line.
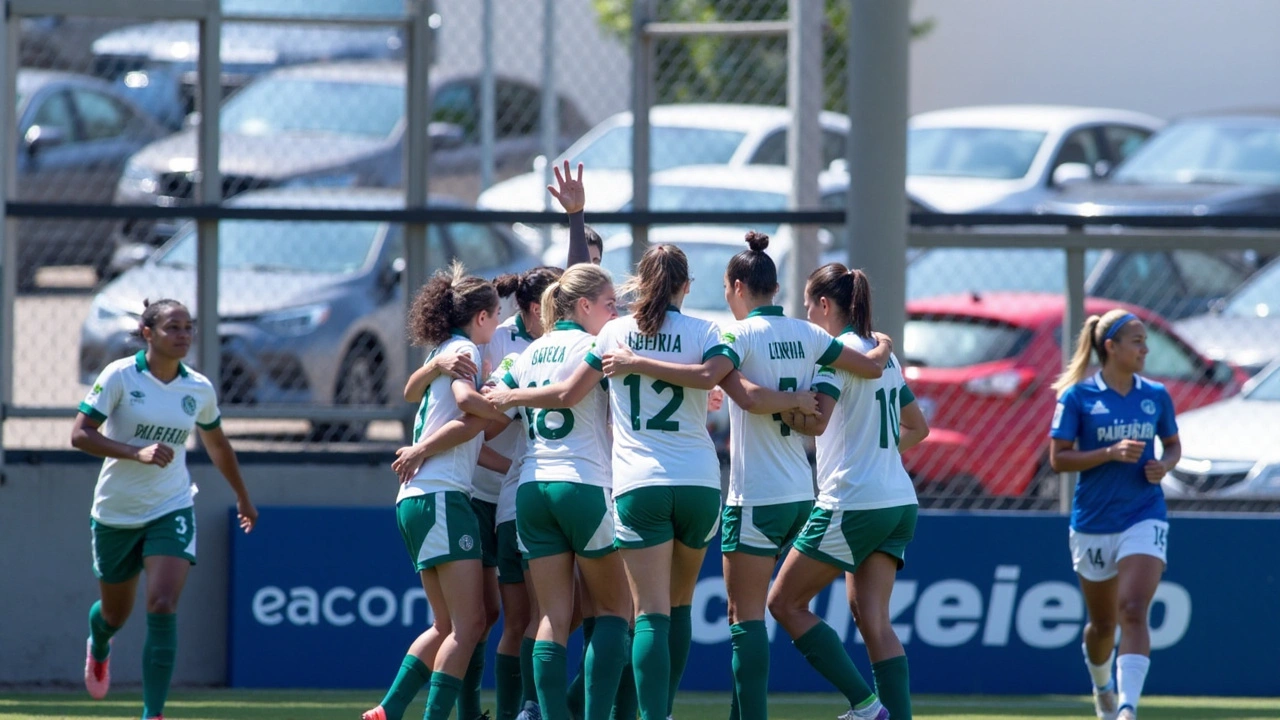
column 1068, row 173
column 446, row 136
column 39, row 138
column 391, row 274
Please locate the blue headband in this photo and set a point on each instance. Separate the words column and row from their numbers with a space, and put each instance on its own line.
column 1119, row 323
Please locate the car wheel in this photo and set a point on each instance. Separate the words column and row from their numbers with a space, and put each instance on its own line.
column 362, row 380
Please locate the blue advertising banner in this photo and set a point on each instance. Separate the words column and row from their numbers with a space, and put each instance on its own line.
column 987, row 603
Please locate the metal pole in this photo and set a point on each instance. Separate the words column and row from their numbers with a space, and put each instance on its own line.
column 641, row 101
column 1072, row 319
column 877, row 100
column 417, row 148
column 547, row 120
column 9, row 39
column 804, row 141
column 487, row 109
column 208, row 99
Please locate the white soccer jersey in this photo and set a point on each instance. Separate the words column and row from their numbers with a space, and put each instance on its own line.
column 510, row 337
column 519, row 447
column 451, row 469
column 136, row 409
column 767, row 463
column 859, row 467
column 660, row 430
column 570, row 444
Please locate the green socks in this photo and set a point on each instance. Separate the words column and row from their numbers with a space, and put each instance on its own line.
column 625, row 703
column 412, row 676
column 442, row 696
column 469, row 696
column 578, row 688
column 893, row 684
column 157, row 661
column 506, row 669
column 651, row 659
column 550, row 673
column 606, row 655
column 821, row 646
column 100, row 632
column 528, row 688
column 681, row 640
column 751, row 668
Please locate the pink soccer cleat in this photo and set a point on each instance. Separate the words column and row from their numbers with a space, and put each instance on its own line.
column 97, row 675
column 375, row 714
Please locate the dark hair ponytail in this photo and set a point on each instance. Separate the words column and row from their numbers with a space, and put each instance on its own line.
column 661, row 273
column 151, row 312
column 850, row 290
column 753, row 267
column 448, row 300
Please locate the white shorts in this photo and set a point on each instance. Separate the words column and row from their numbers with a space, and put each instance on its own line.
column 1094, row 557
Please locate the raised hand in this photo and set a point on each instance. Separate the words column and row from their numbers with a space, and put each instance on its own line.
column 570, row 193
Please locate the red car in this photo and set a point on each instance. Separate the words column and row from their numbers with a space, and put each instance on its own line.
column 981, row 366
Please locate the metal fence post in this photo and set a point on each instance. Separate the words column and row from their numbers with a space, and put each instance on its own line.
column 417, row 151
column 804, row 141
column 1073, row 316
column 488, row 111
column 548, row 121
column 876, row 227
column 641, row 101
column 9, row 39
column 208, row 99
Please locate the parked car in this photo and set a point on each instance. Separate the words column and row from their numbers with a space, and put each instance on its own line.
column 1244, row 327
column 1172, row 283
column 310, row 312
column 1231, row 449
column 332, row 125
column 695, row 134
column 1010, row 158
column 980, row 367
column 1211, row 164
column 155, row 63
column 62, row 42
column 74, row 136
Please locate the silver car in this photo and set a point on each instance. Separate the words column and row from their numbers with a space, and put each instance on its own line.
column 1231, row 449
column 1244, row 327
column 310, row 312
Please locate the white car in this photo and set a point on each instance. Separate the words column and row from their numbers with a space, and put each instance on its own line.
column 701, row 134
column 1010, row 158
column 1231, row 449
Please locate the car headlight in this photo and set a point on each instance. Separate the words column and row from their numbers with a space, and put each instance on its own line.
column 295, row 321
column 335, row 180
column 138, row 179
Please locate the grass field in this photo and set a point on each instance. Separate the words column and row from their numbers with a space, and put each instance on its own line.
column 317, row 705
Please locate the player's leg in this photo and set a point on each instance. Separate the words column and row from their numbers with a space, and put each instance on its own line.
column 515, row 620
column 608, row 652
column 746, row 578
column 166, row 576
column 469, row 698
column 552, row 580
column 117, row 562
column 460, row 584
column 696, row 520
column 1140, row 564
column 415, row 669
column 1093, row 558
column 584, row 616
column 869, row 589
column 645, row 535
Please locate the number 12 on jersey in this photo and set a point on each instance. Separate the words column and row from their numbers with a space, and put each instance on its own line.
column 889, row 417
column 662, row 421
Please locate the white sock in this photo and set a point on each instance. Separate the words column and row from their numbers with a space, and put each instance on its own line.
column 1101, row 674
column 1131, row 673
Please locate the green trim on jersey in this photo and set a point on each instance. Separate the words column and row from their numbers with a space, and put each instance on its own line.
column 140, row 362
column 568, row 325
column 767, row 310
column 594, row 361
column 510, row 381
column 459, row 332
column 217, row 423
column 833, row 352
column 92, row 413
column 726, row 351
column 827, row 389
column 672, row 308
column 905, row 396
column 522, row 332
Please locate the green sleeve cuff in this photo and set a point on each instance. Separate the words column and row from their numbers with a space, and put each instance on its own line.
column 604, row 383
column 595, row 362
column 93, row 413
column 833, row 351
column 217, row 423
column 726, row 351
column 905, row 396
column 510, row 381
column 827, row 389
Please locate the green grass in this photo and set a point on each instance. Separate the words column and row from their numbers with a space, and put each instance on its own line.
column 321, row 705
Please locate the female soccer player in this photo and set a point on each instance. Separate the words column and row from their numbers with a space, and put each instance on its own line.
column 138, row 416
column 451, row 313
column 765, row 510
column 866, row 509
column 1104, row 428
column 563, row 507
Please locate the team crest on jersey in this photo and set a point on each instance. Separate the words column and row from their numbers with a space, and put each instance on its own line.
column 466, row 543
column 1148, row 407
column 189, row 405
column 728, row 337
column 1099, row 409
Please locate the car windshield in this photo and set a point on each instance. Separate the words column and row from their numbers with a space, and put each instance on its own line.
column 956, row 271
column 1259, row 296
column 1208, row 151
column 1266, row 389
column 669, row 147
column 277, row 105
column 315, row 8
column 952, row 342
column 992, row 153
column 327, row 248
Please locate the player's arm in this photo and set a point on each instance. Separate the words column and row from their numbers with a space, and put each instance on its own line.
column 451, row 435
column 703, row 376
column 760, row 400
column 458, row 365
column 491, row 459
column 86, row 436
column 1064, row 457
column 913, row 428
column 1155, row 470
column 223, row 456
column 871, row 365
column 470, row 401
column 564, row 394
column 812, row 425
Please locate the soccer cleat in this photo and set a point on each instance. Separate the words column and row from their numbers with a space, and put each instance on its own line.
column 97, row 675
column 531, row 711
column 375, row 714
column 874, row 711
column 1127, row 713
column 1105, row 701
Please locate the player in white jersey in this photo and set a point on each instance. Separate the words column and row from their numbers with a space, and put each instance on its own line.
column 563, row 507
column 766, row 510
column 866, row 509
column 451, row 313
column 139, row 415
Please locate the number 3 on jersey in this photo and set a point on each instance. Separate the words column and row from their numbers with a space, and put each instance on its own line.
column 889, row 417
column 662, row 421
column 787, row 383
column 537, row 420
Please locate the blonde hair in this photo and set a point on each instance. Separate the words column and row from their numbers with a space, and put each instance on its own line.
column 1093, row 338
column 580, row 281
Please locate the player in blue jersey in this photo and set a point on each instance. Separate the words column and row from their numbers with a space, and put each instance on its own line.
column 1105, row 427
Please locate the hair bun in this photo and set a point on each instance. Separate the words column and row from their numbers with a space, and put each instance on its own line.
column 757, row 241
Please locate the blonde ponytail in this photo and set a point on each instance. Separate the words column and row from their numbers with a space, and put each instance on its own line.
column 580, row 281
column 548, row 309
column 1093, row 336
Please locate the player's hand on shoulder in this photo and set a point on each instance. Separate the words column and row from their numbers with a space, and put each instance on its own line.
column 460, row 366
column 158, row 454
column 618, row 361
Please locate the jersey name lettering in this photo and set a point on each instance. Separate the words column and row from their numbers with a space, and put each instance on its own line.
column 786, row 350
column 1127, row 431
column 552, row 354
column 160, row 433
column 662, row 342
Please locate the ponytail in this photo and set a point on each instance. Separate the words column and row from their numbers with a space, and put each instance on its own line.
column 580, row 281
column 549, row 298
column 1093, row 338
column 754, row 268
column 449, row 300
column 661, row 273
column 849, row 290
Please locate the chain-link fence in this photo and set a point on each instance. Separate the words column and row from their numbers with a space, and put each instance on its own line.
column 311, row 309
